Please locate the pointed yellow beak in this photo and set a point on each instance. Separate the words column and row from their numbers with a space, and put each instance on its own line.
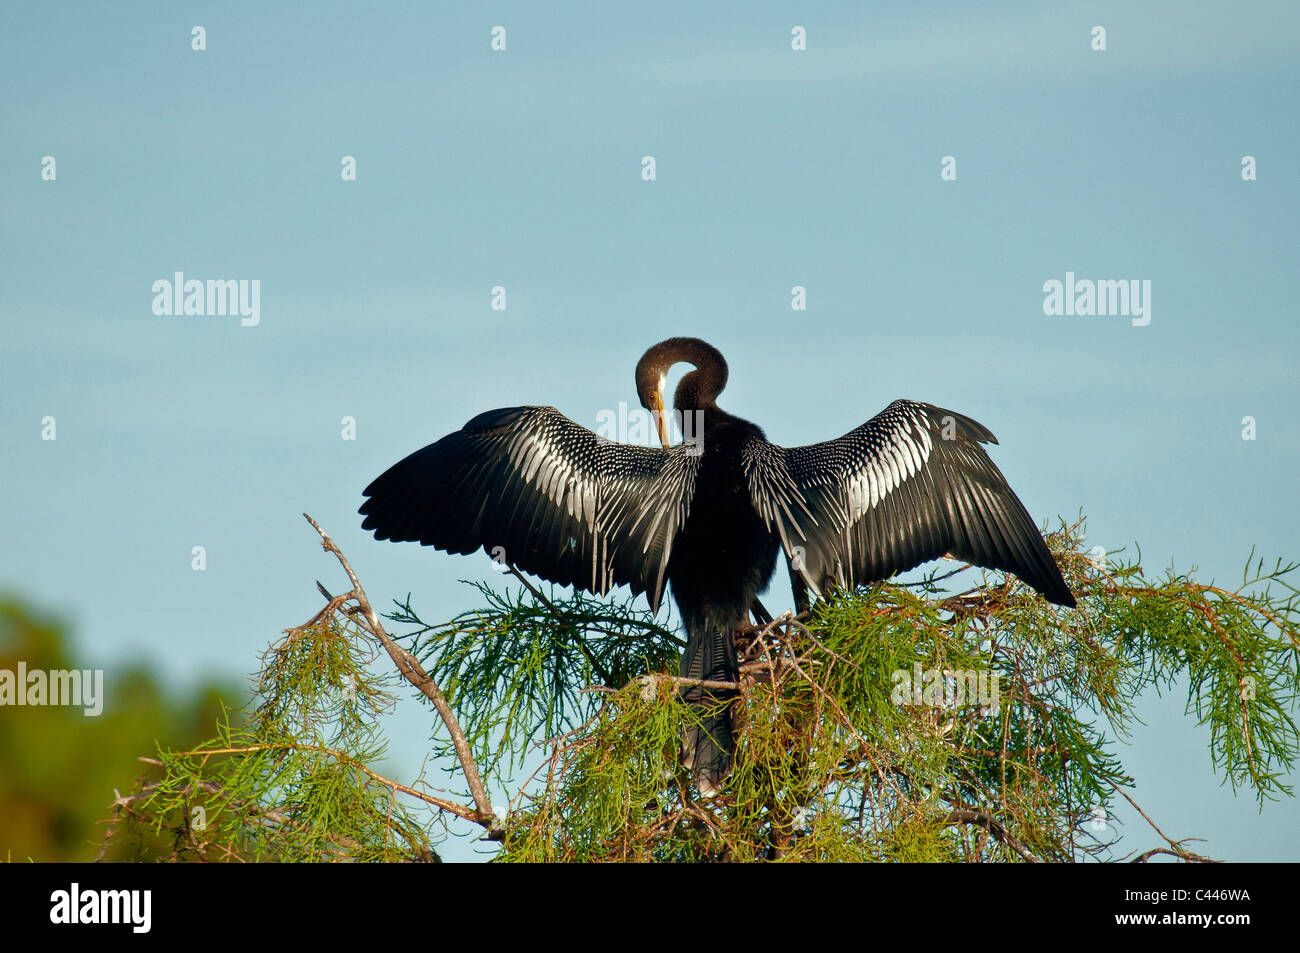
column 661, row 421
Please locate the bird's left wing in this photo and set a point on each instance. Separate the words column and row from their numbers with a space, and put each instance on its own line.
column 909, row 485
column 544, row 494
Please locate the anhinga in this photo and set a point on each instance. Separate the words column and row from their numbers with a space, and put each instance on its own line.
column 910, row 485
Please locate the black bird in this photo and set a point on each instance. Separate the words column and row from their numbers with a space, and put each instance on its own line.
column 711, row 515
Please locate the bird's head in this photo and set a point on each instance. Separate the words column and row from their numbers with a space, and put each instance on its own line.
column 697, row 390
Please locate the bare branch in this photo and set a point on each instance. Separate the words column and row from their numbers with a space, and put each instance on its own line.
column 414, row 673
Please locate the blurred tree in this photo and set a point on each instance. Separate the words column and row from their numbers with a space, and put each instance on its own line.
column 59, row 767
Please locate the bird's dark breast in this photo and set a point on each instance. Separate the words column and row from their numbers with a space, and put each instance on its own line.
column 725, row 554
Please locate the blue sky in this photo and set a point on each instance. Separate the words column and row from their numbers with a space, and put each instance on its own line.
column 523, row 169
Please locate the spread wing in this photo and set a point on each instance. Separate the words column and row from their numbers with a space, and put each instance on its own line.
column 559, row 501
column 909, row 485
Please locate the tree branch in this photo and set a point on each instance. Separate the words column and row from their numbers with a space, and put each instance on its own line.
column 414, row 673
column 994, row 827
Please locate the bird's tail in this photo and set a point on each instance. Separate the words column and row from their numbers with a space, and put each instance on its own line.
column 707, row 743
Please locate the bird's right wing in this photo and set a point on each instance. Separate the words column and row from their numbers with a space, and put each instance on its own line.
column 909, row 485
column 559, row 501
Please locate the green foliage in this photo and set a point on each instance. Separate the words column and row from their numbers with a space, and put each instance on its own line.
column 897, row 723
column 293, row 783
column 830, row 766
column 517, row 670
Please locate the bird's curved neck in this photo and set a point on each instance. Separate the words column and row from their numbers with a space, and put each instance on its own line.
column 699, row 389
